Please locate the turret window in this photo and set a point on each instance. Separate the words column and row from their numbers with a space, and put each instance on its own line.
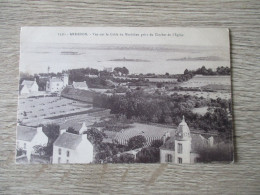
column 179, row 148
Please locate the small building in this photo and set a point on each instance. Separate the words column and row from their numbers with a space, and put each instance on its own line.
column 72, row 148
column 79, row 127
column 80, row 85
column 28, row 138
column 56, row 84
column 92, row 76
column 108, row 69
column 28, row 87
column 183, row 146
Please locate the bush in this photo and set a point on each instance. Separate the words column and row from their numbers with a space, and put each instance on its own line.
column 148, row 155
column 136, row 142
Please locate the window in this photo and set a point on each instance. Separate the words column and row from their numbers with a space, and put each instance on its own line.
column 179, row 148
column 59, row 151
column 180, row 160
column 168, row 158
column 68, row 153
column 24, row 145
column 59, row 160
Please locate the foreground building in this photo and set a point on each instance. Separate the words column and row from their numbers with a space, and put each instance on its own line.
column 28, row 138
column 28, row 87
column 72, row 148
column 183, row 146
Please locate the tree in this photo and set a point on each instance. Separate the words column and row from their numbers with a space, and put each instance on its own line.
column 148, row 155
column 72, row 130
column 159, row 85
column 94, row 135
column 52, row 131
column 136, row 142
column 157, row 143
column 220, row 152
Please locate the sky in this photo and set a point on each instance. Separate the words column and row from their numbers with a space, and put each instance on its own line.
column 141, row 50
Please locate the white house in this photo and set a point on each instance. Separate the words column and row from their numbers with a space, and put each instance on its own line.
column 183, row 146
column 72, row 148
column 29, row 87
column 56, row 84
column 80, row 85
column 28, row 137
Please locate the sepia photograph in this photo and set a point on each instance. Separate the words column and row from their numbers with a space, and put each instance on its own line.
column 124, row 95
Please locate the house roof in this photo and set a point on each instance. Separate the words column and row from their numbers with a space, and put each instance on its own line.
column 27, row 83
column 55, row 79
column 197, row 141
column 76, row 125
column 25, row 133
column 68, row 140
column 169, row 144
column 80, row 85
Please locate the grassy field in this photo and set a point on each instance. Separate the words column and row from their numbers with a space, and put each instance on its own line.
column 200, row 81
column 149, row 131
column 33, row 109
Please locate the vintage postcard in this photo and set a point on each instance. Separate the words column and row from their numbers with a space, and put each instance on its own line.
column 124, row 95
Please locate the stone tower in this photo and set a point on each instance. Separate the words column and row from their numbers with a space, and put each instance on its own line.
column 182, row 143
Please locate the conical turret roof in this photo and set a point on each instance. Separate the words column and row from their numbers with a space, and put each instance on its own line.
column 183, row 131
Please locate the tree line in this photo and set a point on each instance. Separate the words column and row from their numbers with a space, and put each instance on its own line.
column 169, row 109
column 188, row 74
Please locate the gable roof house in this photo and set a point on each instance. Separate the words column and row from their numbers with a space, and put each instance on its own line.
column 28, row 137
column 183, row 147
column 72, row 148
column 28, row 86
column 80, row 85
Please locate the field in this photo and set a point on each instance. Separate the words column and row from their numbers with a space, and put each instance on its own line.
column 200, row 81
column 210, row 95
column 162, row 80
column 36, row 109
column 150, row 132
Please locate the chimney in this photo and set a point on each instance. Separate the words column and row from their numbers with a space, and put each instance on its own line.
column 83, row 128
column 84, row 137
column 62, row 131
column 39, row 129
